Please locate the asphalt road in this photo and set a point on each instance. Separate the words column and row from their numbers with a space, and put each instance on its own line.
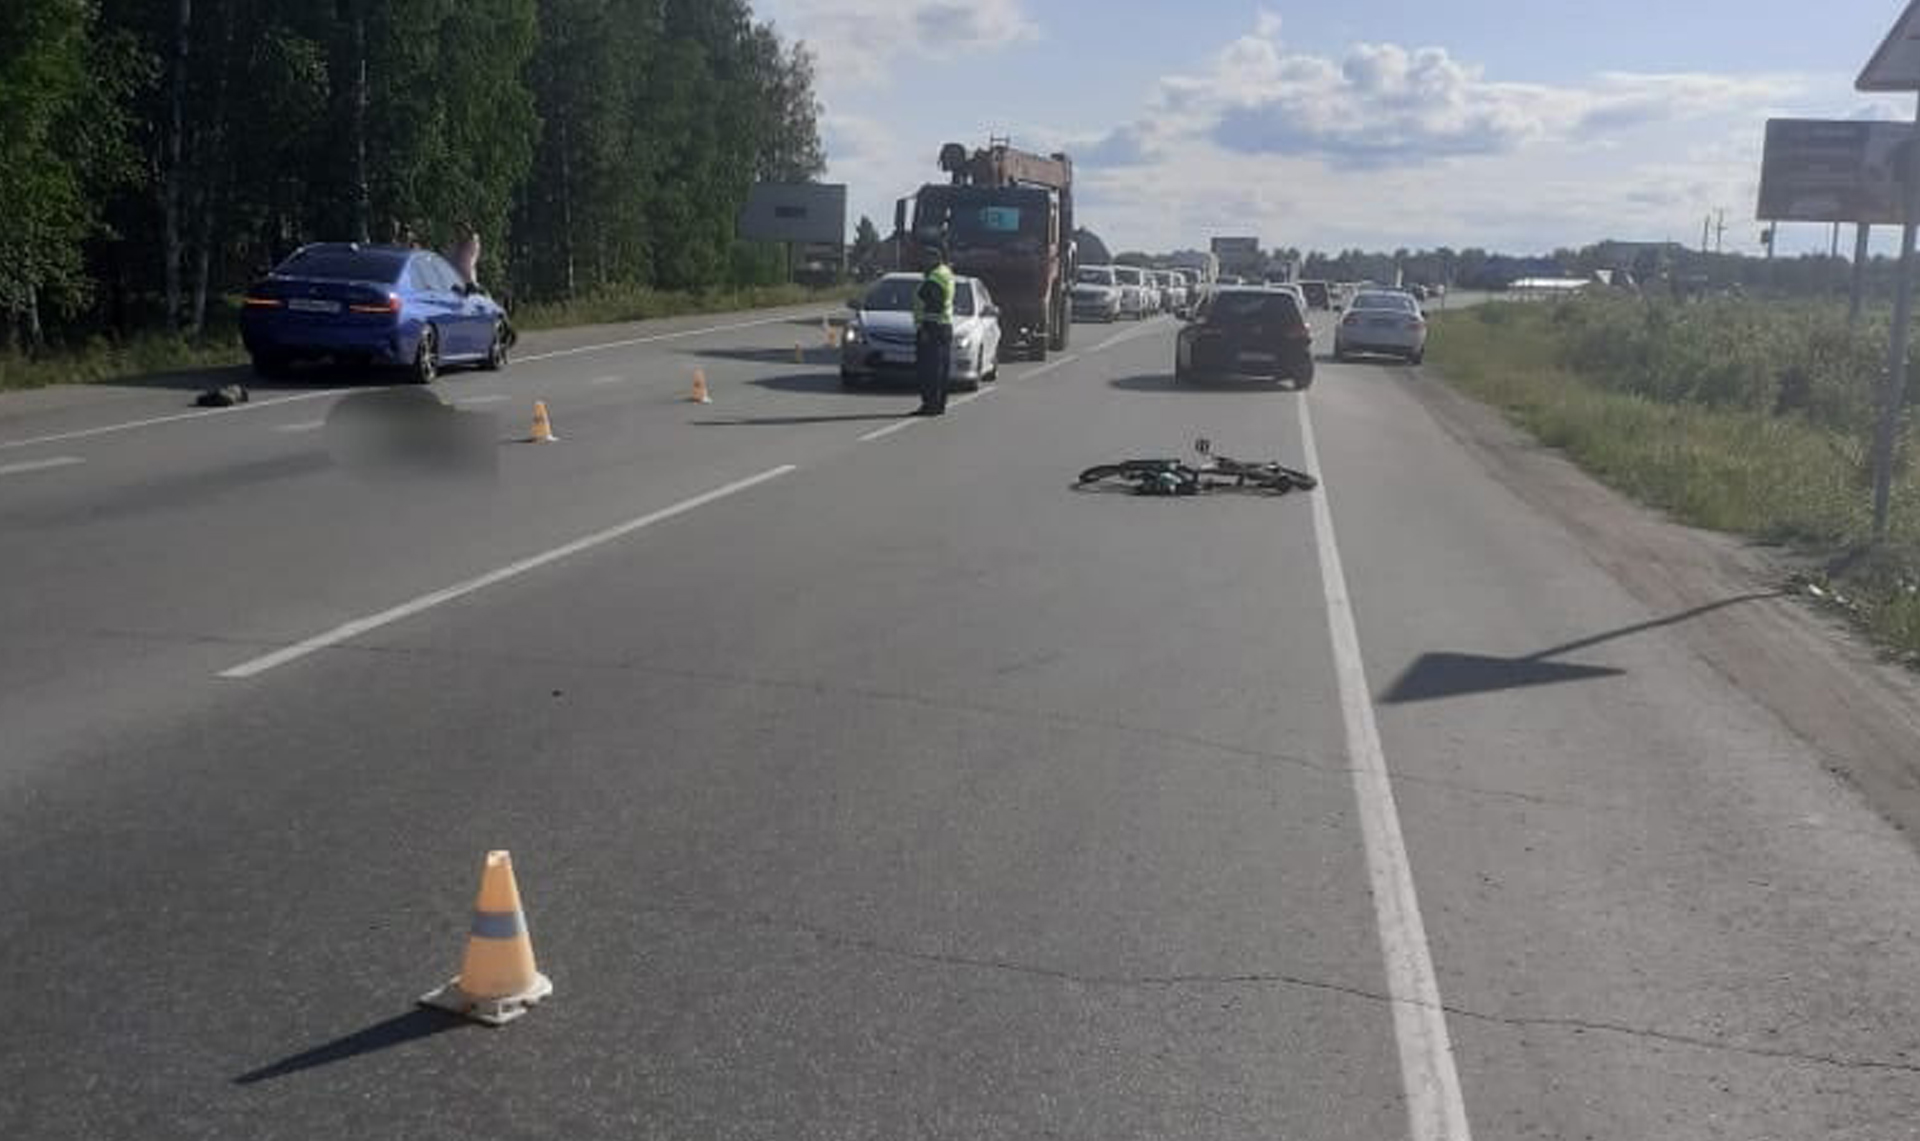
column 865, row 781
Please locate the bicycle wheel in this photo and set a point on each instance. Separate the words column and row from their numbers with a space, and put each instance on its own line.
column 1099, row 472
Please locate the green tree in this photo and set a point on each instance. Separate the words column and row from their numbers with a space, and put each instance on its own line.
column 866, row 246
column 64, row 82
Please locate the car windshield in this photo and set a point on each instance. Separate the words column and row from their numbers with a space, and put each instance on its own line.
column 1237, row 307
column 1129, row 276
column 1399, row 301
column 896, row 295
column 381, row 266
column 1099, row 275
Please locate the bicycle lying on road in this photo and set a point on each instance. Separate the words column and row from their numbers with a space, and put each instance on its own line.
column 1213, row 473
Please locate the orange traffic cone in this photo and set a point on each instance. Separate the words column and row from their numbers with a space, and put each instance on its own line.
column 498, row 981
column 542, row 426
column 699, row 394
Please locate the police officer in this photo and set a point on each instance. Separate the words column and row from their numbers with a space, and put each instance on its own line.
column 933, row 336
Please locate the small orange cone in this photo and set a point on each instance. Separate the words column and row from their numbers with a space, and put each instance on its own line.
column 542, row 426
column 498, row 981
column 699, row 394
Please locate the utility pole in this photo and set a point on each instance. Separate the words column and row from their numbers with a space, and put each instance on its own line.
column 1856, row 296
column 1706, row 233
column 1886, row 436
column 1720, row 233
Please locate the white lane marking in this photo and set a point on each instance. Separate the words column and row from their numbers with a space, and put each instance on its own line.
column 1436, row 1111
column 1122, row 338
column 302, row 426
column 251, row 406
column 607, row 380
column 40, row 465
column 359, row 626
column 84, row 433
column 684, row 333
column 890, row 429
column 490, row 398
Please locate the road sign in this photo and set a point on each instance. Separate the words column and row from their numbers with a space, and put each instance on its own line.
column 1896, row 66
column 1835, row 170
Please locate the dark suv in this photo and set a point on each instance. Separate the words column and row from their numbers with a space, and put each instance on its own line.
column 1246, row 332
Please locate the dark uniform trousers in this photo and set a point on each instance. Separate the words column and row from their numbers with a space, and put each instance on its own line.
column 933, row 363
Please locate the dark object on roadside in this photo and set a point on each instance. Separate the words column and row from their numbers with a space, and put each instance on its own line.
column 410, row 431
column 226, row 396
column 1215, row 473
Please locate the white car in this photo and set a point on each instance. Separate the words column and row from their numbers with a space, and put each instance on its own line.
column 879, row 338
column 1096, row 294
column 1382, row 321
column 1136, row 295
column 1174, row 287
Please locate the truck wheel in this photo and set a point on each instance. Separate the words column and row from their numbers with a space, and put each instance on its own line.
column 1062, row 327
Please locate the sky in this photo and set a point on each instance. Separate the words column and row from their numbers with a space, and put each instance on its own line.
column 1518, row 125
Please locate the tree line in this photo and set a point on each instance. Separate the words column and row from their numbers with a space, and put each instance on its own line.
column 155, row 155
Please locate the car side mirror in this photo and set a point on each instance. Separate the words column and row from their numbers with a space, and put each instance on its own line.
column 990, row 311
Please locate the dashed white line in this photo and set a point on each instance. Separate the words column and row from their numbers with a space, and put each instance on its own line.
column 491, row 398
column 890, row 429
column 40, row 465
column 359, row 626
column 1436, row 1109
column 251, row 406
column 301, row 426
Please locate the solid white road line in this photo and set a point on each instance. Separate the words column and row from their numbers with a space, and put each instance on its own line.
column 84, row 433
column 302, row 426
column 684, row 333
column 1436, row 1111
column 40, row 465
column 359, row 626
column 251, row 406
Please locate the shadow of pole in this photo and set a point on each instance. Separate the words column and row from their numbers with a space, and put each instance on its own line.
column 394, row 1031
column 1442, row 673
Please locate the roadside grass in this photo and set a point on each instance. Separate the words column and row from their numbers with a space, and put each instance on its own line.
column 102, row 359
column 1734, row 465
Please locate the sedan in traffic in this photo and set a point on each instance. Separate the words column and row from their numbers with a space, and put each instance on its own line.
column 879, row 340
column 1096, row 294
column 1246, row 332
column 1382, row 322
column 1137, row 298
column 388, row 306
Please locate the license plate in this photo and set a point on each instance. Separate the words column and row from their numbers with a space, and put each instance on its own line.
column 1382, row 322
column 1257, row 358
column 312, row 305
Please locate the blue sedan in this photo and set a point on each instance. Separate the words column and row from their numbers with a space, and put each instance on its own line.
column 372, row 305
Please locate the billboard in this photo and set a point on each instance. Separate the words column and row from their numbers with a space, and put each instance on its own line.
column 1834, row 170
column 798, row 212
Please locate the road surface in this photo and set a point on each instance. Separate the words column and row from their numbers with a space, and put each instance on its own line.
column 865, row 781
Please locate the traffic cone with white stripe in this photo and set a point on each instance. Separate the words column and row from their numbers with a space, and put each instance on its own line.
column 699, row 395
column 498, row 981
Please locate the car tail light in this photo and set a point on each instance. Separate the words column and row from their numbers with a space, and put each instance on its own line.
column 1350, row 320
column 390, row 305
column 265, row 303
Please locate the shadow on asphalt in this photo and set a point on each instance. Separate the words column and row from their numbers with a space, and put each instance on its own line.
column 303, row 378
column 825, row 383
column 1163, row 382
column 770, row 421
column 1443, row 673
column 395, row 1031
column 816, row 353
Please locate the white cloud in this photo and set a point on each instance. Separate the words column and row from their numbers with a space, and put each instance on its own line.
column 861, row 41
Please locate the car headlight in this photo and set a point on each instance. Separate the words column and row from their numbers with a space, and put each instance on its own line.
column 851, row 336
